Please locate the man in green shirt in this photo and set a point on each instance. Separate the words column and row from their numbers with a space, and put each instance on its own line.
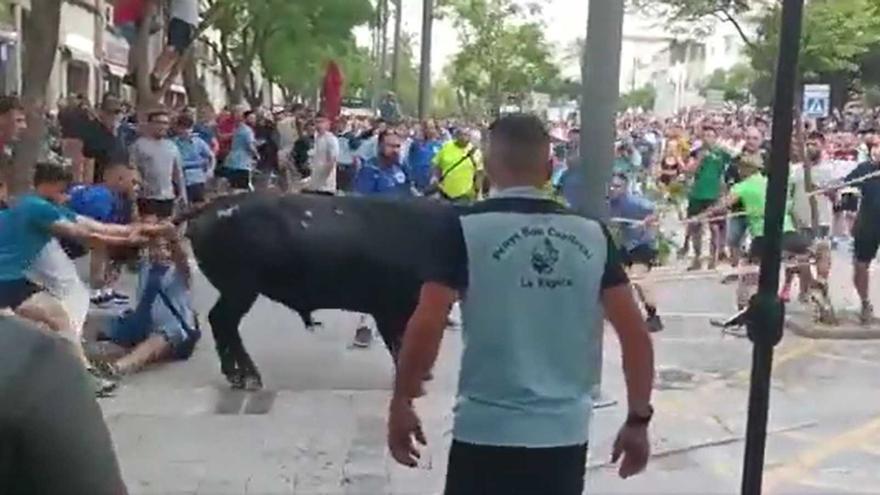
column 751, row 193
column 712, row 161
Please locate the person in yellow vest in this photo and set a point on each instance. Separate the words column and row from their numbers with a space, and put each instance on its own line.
column 458, row 168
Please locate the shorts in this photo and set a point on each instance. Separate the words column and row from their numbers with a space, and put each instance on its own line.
column 345, row 177
column 793, row 244
column 15, row 292
column 485, row 469
column 866, row 241
column 180, row 35
column 162, row 208
column 639, row 255
column 737, row 228
column 238, row 178
column 824, row 233
column 848, row 202
column 196, row 193
column 697, row 206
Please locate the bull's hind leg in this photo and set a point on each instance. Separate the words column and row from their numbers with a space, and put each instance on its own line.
column 391, row 330
column 225, row 316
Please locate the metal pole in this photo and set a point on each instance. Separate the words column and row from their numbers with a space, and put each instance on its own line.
column 425, row 66
column 600, row 73
column 395, row 62
column 766, row 311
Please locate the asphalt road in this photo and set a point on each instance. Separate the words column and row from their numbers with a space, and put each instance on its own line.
column 319, row 426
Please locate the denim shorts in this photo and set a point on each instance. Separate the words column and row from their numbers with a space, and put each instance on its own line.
column 737, row 228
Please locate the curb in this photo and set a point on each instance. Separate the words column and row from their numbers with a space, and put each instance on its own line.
column 822, row 332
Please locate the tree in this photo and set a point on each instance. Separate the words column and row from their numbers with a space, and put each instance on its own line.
column 638, row 98
column 296, row 54
column 503, row 52
column 735, row 83
column 836, row 36
column 40, row 39
column 698, row 17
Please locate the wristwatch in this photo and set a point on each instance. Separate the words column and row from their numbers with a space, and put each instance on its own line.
column 640, row 418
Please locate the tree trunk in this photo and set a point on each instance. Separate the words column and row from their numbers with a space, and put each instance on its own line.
column 195, row 89
column 40, row 37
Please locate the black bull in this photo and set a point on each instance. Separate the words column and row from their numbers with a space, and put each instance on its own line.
column 312, row 252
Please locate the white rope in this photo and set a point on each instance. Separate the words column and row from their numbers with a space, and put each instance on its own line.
column 841, row 185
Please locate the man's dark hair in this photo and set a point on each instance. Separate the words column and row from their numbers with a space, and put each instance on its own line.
column 817, row 136
column 386, row 133
column 184, row 121
column 520, row 128
column 247, row 113
column 520, row 139
column 10, row 103
column 156, row 113
column 710, row 127
column 50, row 173
column 621, row 176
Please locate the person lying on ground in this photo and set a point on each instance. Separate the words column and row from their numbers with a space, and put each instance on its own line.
column 163, row 325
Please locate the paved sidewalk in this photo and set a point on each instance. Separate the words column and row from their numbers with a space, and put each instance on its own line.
column 319, row 427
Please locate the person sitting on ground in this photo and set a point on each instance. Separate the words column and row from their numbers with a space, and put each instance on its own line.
column 163, row 325
column 111, row 202
column 637, row 220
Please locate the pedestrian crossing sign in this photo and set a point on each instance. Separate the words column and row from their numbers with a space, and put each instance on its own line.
column 817, row 100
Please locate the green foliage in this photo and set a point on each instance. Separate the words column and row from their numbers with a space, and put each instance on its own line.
column 695, row 17
column 638, row 98
column 837, row 35
column 292, row 39
column 503, row 52
column 735, row 83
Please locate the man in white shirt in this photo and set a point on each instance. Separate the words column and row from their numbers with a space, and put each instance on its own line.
column 324, row 160
column 822, row 175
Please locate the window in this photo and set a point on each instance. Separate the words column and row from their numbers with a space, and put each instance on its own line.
column 729, row 44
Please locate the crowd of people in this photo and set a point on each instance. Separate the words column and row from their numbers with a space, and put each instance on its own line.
column 120, row 178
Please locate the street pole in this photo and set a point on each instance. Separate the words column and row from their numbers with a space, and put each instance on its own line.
column 766, row 314
column 395, row 63
column 600, row 73
column 425, row 66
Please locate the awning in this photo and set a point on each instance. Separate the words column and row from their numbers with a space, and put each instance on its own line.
column 80, row 47
column 116, row 70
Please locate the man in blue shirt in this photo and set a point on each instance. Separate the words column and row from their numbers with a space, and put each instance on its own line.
column 421, row 155
column 110, row 202
column 535, row 281
column 383, row 175
column 634, row 218
column 198, row 159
